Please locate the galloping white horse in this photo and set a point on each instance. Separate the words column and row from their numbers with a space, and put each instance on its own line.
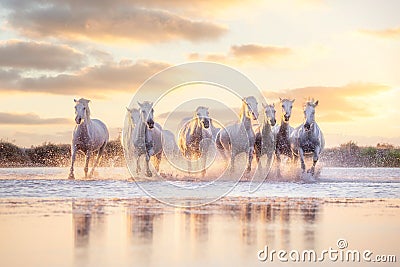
column 265, row 137
column 308, row 137
column 240, row 137
column 89, row 136
column 145, row 135
column 194, row 138
column 284, row 132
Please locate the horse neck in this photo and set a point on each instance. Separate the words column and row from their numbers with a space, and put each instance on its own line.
column 267, row 128
column 284, row 126
column 141, row 129
column 86, row 126
column 195, row 128
column 246, row 121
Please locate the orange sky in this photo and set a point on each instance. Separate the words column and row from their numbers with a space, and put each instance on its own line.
column 344, row 53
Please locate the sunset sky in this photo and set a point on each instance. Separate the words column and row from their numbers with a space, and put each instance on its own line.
column 344, row 53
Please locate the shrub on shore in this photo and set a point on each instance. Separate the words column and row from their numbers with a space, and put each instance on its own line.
column 58, row 155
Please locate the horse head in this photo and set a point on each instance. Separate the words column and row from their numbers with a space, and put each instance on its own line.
column 146, row 113
column 309, row 113
column 250, row 106
column 82, row 111
column 287, row 106
column 203, row 116
column 134, row 115
column 270, row 113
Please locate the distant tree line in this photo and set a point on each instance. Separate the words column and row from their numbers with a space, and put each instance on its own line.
column 54, row 155
column 352, row 155
column 58, row 155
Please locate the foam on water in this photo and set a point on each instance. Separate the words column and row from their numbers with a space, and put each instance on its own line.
column 115, row 183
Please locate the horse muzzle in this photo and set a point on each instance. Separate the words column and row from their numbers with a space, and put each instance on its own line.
column 273, row 122
column 286, row 118
column 78, row 120
column 307, row 126
column 206, row 124
column 150, row 124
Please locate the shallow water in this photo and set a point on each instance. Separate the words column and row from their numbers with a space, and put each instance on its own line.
column 47, row 220
column 114, row 183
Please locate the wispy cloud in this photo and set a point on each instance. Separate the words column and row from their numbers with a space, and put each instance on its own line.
column 34, row 55
column 29, row 119
column 107, row 20
column 246, row 53
column 96, row 80
column 383, row 33
column 336, row 103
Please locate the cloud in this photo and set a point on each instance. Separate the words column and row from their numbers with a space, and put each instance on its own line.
column 246, row 53
column 336, row 104
column 34, row 55
column 384, row 33
column 96, row 80
column 29, row 119
column 107, row 20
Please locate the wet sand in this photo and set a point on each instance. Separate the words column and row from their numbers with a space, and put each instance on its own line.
column 228, row 232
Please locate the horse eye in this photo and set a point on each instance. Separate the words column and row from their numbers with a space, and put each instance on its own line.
column 291, row 106
column 283, row 106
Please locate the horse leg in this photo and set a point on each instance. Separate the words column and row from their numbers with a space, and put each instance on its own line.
column 232, row 162
column 87, row 159
column 204, row 162
column 250, row 159
column 98, row 158
column 315, row 159
column 73, row 157
column 157, row 160
column 148, row 172
column 138, row 169
column 303, row 165
column 278, row 165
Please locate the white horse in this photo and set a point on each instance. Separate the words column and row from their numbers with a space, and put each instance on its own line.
column 90, row 135
column 283, row 134
column 145, row 135
column 240, row 137
column 194, row 138
column 169, row 146
column 265, row 137
column 308, row 137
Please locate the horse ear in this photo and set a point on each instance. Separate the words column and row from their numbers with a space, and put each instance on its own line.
column 128, row 109
column 316, row 103
column 273, row 104
column 293, row 100
column 75, row 100
column 264, row 105
column 140, row 104
column 280, row 99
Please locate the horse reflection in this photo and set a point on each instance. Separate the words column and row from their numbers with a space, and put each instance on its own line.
column 85, row 215
column 196, row 223
column 141, row 225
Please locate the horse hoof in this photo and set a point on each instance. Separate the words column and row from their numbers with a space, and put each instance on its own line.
column 149, row 174
column 71, row 177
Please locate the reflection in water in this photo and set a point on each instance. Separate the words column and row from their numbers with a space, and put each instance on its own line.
column 85, row 214
column 253, row 222
column 141, row 225
column 196, row 224
column 132, row 232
